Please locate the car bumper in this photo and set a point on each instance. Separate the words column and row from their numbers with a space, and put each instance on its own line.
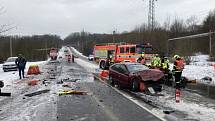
column 10, row 68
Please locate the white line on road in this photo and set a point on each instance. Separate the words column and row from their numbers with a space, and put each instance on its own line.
column 156, row 113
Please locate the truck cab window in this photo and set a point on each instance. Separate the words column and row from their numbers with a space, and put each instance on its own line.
column 132, row 50
column 122, row 50
column 127, row 49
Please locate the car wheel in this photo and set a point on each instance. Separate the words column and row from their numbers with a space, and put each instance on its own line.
column 135, row 85
column 102, row 65
column 111, row 81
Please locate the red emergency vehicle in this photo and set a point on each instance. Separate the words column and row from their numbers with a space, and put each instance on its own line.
column 121, row 52
column 53, row 53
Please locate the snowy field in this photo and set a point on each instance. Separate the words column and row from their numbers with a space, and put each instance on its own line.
column 200, row 68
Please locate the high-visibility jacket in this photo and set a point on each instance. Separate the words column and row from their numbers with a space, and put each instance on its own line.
column 178, row 65
column 165, row 64
column 156, row 62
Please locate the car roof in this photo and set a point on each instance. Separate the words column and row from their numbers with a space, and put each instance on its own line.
column 129, row 63
column 12, row 57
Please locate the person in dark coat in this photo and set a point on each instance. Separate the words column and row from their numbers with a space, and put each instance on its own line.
column 21, row 63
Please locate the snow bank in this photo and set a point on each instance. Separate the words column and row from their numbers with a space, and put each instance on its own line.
column 199, row 68
column 90, row 67
column 194, row 110
column 9, row 77
column 78, row 53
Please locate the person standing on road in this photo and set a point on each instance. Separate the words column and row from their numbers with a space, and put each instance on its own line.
column 21, row 63
column 141, row 59
column 177, row 70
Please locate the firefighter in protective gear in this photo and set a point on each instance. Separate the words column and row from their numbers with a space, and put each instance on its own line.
column 156, row 62
column 165, row 65
column 141, row 59
column 109, row 61
column 177, row 70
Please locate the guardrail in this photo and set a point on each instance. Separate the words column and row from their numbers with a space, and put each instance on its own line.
column 203, row 89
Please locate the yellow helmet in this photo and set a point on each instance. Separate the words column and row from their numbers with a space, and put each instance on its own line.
column 176, row 56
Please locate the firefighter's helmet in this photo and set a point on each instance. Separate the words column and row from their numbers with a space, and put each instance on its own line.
column 176, row 56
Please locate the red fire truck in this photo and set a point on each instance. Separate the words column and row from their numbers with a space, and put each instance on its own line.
column 121, row 52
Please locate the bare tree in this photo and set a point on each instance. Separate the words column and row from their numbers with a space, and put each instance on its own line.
column 177, row 27
column 192, row 24
column 5, row 27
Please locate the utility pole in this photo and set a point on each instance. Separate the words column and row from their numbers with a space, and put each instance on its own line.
column 210, row 48
column 11, row 50
column 151, row 15
column 114, row 36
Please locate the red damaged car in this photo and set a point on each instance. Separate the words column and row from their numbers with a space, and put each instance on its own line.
column 130, row 75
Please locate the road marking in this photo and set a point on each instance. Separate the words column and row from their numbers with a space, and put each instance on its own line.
column 161, row 116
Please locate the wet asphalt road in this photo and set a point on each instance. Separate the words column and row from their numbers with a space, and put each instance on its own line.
column 102, row 103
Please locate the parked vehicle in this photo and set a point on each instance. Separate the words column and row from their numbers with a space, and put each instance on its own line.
column 121, row 52
column 130, row 75
column 90, row 57
column 10, row 65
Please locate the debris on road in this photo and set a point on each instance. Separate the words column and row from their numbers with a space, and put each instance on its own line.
column 70, row 80
column 37, row 93
column 168, row 111
column 33, row 82
column 60, row 82
column 207, row 79
column 69, row 92
column 67, row 85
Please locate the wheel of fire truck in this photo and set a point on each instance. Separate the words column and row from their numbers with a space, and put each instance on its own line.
column 102, row 64
column 111, row 81
column 135, row 84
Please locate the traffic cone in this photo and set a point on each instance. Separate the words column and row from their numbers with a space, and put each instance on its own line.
column 177, row 95
column 30, row 71
column 33, row 69
column 104, row 74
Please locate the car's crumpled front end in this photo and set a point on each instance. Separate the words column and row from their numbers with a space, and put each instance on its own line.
column 151, row 78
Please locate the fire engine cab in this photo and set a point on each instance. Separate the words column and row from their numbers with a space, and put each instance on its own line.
column 121, row 52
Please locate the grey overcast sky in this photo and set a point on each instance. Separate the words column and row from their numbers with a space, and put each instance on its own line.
column 63, row 17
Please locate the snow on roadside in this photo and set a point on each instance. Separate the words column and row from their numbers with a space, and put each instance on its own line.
column 91, row 67
column 195, row 110
column 78, row 53
column 200, row 68
column 9, row 77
